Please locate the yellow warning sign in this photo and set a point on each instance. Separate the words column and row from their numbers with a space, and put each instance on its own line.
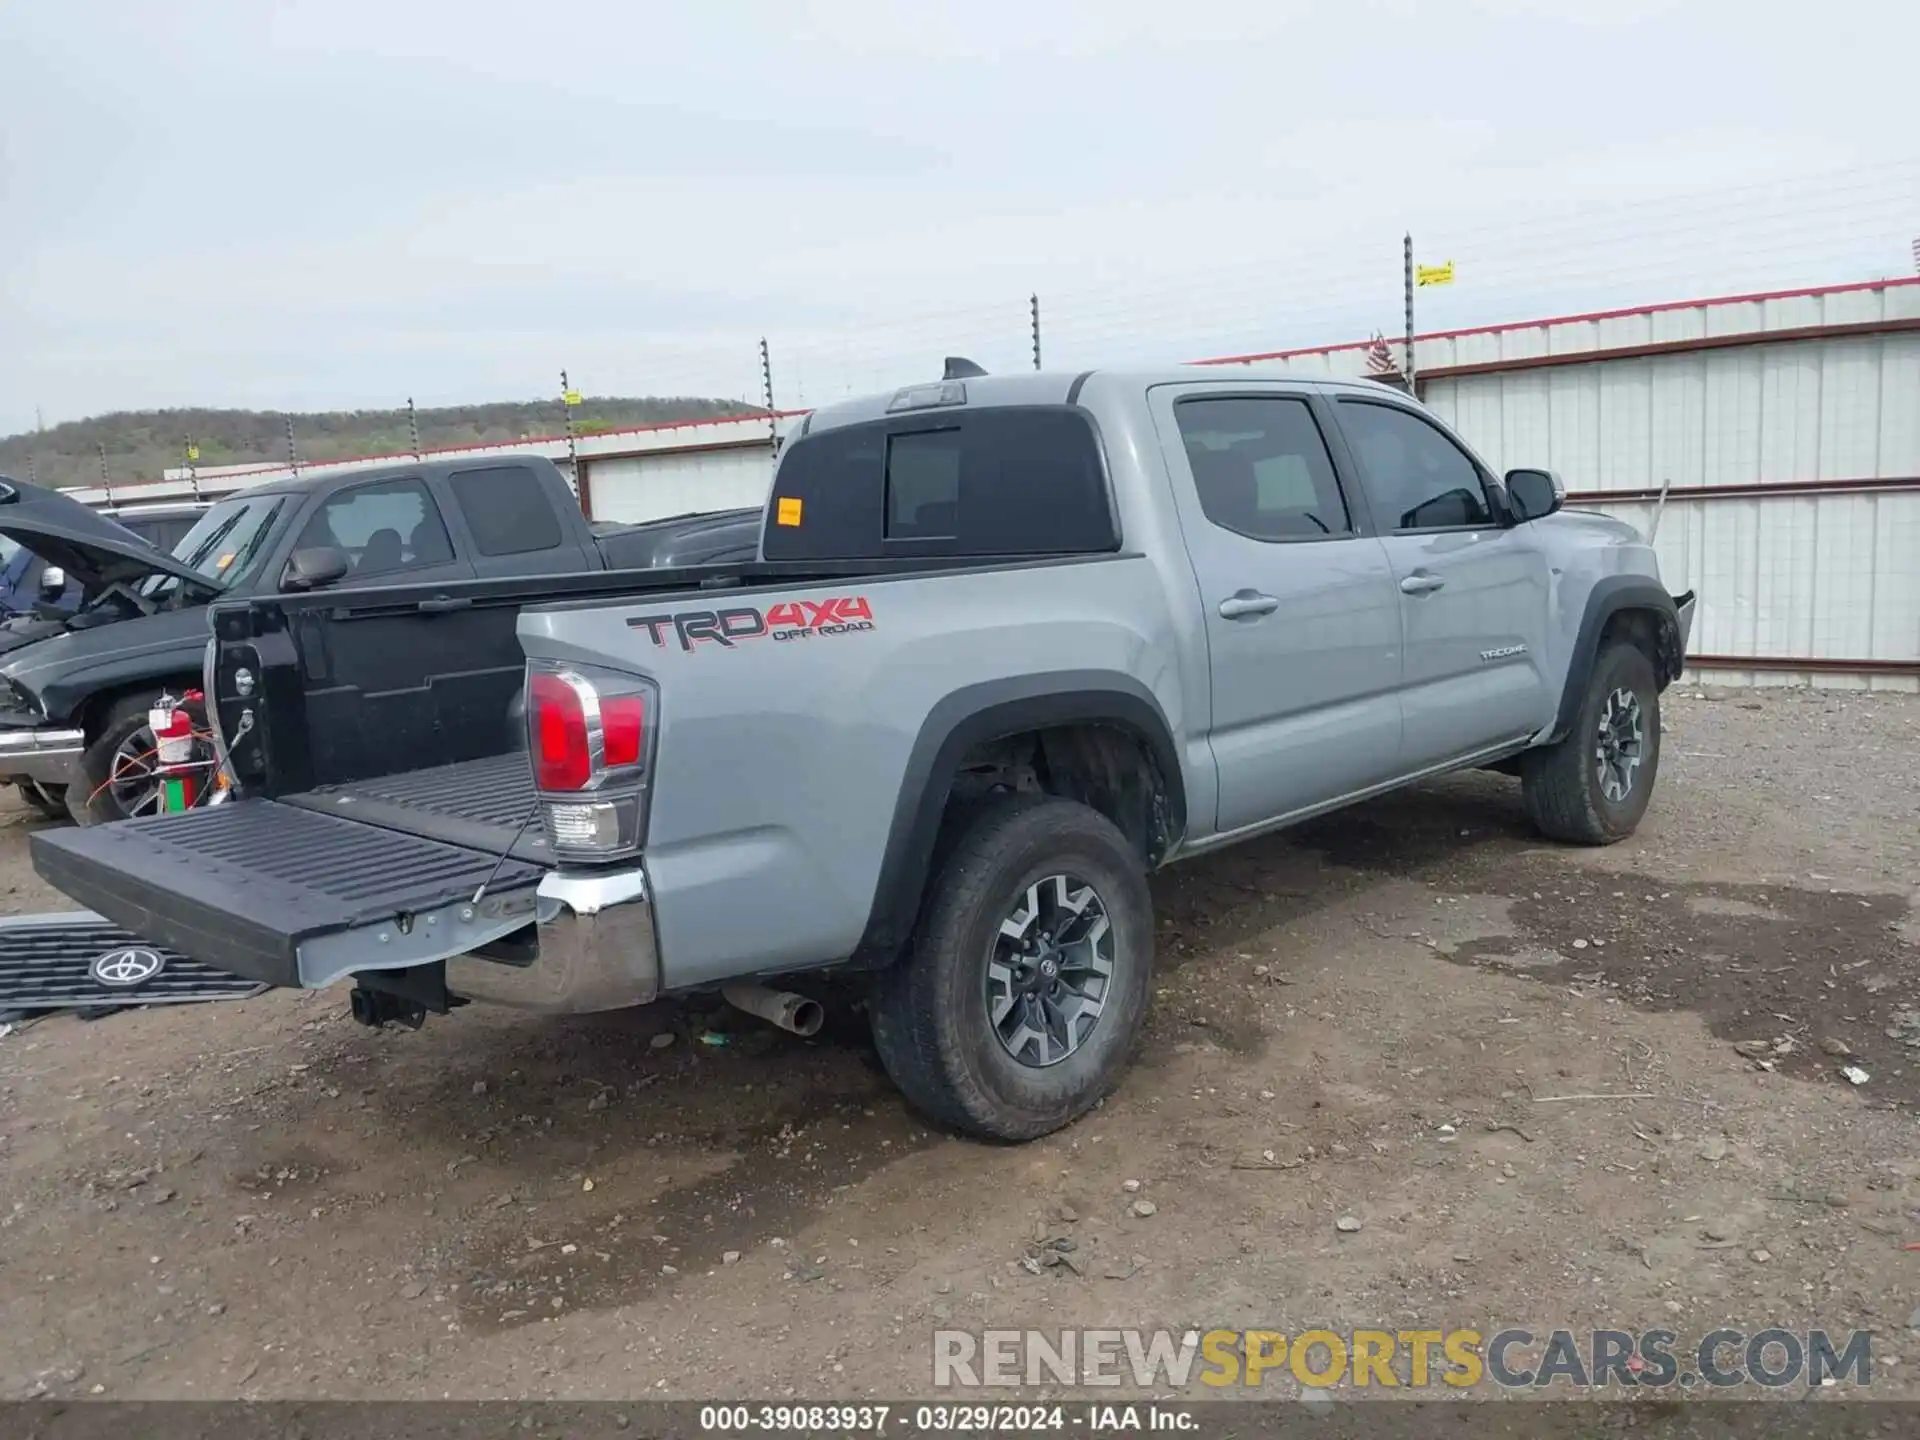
column 572, row 397
column 1433, row 274
column 788, row 510
column 193, row 452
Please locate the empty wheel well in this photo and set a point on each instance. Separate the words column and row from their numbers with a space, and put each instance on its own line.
column 1655, row 634
column 1106, row 767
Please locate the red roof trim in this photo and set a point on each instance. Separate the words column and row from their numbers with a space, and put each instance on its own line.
column 1666, row 305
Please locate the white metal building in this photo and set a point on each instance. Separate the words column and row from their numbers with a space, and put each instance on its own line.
column 1785, row 429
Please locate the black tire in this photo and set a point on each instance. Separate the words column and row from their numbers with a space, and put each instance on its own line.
column 932, row 1020
column 49, row 800
column 91, row 799
column 1562, row 784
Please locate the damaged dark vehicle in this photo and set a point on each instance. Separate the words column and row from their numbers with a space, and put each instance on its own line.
column 77, row 681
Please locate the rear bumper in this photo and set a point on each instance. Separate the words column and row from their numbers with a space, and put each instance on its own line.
column 44, row 754
column 289, row 896
column 596, row 949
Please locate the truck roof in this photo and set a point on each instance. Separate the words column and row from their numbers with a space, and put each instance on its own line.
column 1055, row 387
column 300, row 484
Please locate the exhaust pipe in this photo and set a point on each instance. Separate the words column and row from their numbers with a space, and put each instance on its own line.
column 791, row 1012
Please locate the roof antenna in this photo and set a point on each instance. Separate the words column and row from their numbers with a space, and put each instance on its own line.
column 960, row 368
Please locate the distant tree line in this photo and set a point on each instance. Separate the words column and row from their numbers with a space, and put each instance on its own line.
column 140, row 444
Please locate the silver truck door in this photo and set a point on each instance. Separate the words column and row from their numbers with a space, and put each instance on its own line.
column 1474, row 595
column 1303, row 621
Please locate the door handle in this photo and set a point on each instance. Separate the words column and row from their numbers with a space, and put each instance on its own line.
column 1248, row 605
column 1421, row 584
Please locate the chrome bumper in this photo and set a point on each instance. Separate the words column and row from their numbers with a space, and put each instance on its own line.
column 596, row 950
column 43, row 754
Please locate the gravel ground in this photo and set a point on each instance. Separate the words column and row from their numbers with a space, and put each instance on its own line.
column 1378, row 1018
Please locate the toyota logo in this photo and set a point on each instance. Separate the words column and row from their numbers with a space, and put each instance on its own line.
column 123, row 969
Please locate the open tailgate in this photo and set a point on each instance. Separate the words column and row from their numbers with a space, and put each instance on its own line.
column 287, row 895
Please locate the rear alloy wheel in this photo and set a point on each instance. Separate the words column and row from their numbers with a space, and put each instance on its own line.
column 1020, row 998
column 1051, row 969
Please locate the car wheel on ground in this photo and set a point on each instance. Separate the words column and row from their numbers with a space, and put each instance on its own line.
column 1592, row 787
column 1022, row 993
column 119, row 778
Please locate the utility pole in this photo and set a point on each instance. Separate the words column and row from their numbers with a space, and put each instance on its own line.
column 293, row 455
column 193, row 466
column 106, row 480
column 1033, row 306
column 766, row 392
column 567, row 401
column 1407, row 263
column 413, row 427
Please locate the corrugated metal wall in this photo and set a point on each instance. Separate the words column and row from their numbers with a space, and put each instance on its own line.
column 652, row 487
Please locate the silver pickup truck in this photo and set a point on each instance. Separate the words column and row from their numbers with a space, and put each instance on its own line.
column 1011, row 642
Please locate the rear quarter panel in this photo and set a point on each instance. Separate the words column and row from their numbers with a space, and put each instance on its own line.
column 780, row 760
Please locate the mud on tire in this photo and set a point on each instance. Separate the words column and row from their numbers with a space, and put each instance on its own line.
column 1593, row 786
column 1037, row 915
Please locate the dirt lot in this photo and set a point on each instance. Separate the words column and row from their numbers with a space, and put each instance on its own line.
column 265, row 1200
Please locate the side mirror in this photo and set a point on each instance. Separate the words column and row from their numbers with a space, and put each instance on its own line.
column 1534, row 494
column 53, row 584
column 311, row 569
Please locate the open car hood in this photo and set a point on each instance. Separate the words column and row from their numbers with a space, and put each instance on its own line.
column 88, row 546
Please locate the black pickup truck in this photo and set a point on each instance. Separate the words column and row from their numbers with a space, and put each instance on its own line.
column 75, row 687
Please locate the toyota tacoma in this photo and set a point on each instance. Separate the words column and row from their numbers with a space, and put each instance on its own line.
column 1009, row 644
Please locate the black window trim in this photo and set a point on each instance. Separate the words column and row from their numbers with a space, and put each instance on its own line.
column 1359, row 518
column 414, row 477
column 1489, row 492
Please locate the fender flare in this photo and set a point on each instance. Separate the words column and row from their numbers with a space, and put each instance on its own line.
column 979, row 714
column 1607, row 599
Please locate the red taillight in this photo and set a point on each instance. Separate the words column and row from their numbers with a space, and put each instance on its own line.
column 561, row 759
column 623, row 721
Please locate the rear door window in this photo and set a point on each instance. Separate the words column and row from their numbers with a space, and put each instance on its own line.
column 506, row 509
column 1261, row 468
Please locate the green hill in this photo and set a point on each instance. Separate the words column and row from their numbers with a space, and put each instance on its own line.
column 142, row 443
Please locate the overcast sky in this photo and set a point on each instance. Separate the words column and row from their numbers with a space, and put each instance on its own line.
column 330, row 203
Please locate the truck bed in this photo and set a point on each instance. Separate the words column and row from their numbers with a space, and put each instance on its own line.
column 280, row 891
column 485, row 804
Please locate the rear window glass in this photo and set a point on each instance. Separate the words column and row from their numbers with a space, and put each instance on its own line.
column 506, row 509
column 1021, row 480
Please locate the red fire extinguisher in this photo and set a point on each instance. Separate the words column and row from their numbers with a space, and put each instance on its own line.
column 179, row 772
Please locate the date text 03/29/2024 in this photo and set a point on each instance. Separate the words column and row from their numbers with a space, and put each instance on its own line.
column 940, row 1419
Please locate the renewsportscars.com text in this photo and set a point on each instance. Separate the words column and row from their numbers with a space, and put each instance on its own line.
column 1511, row 1358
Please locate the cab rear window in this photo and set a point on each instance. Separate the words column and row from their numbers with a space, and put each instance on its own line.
column 1013, row 480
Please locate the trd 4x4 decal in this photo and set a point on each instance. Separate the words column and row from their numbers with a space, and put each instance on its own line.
column 788, row 620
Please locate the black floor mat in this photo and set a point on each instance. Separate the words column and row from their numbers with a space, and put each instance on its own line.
column 81, row 962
